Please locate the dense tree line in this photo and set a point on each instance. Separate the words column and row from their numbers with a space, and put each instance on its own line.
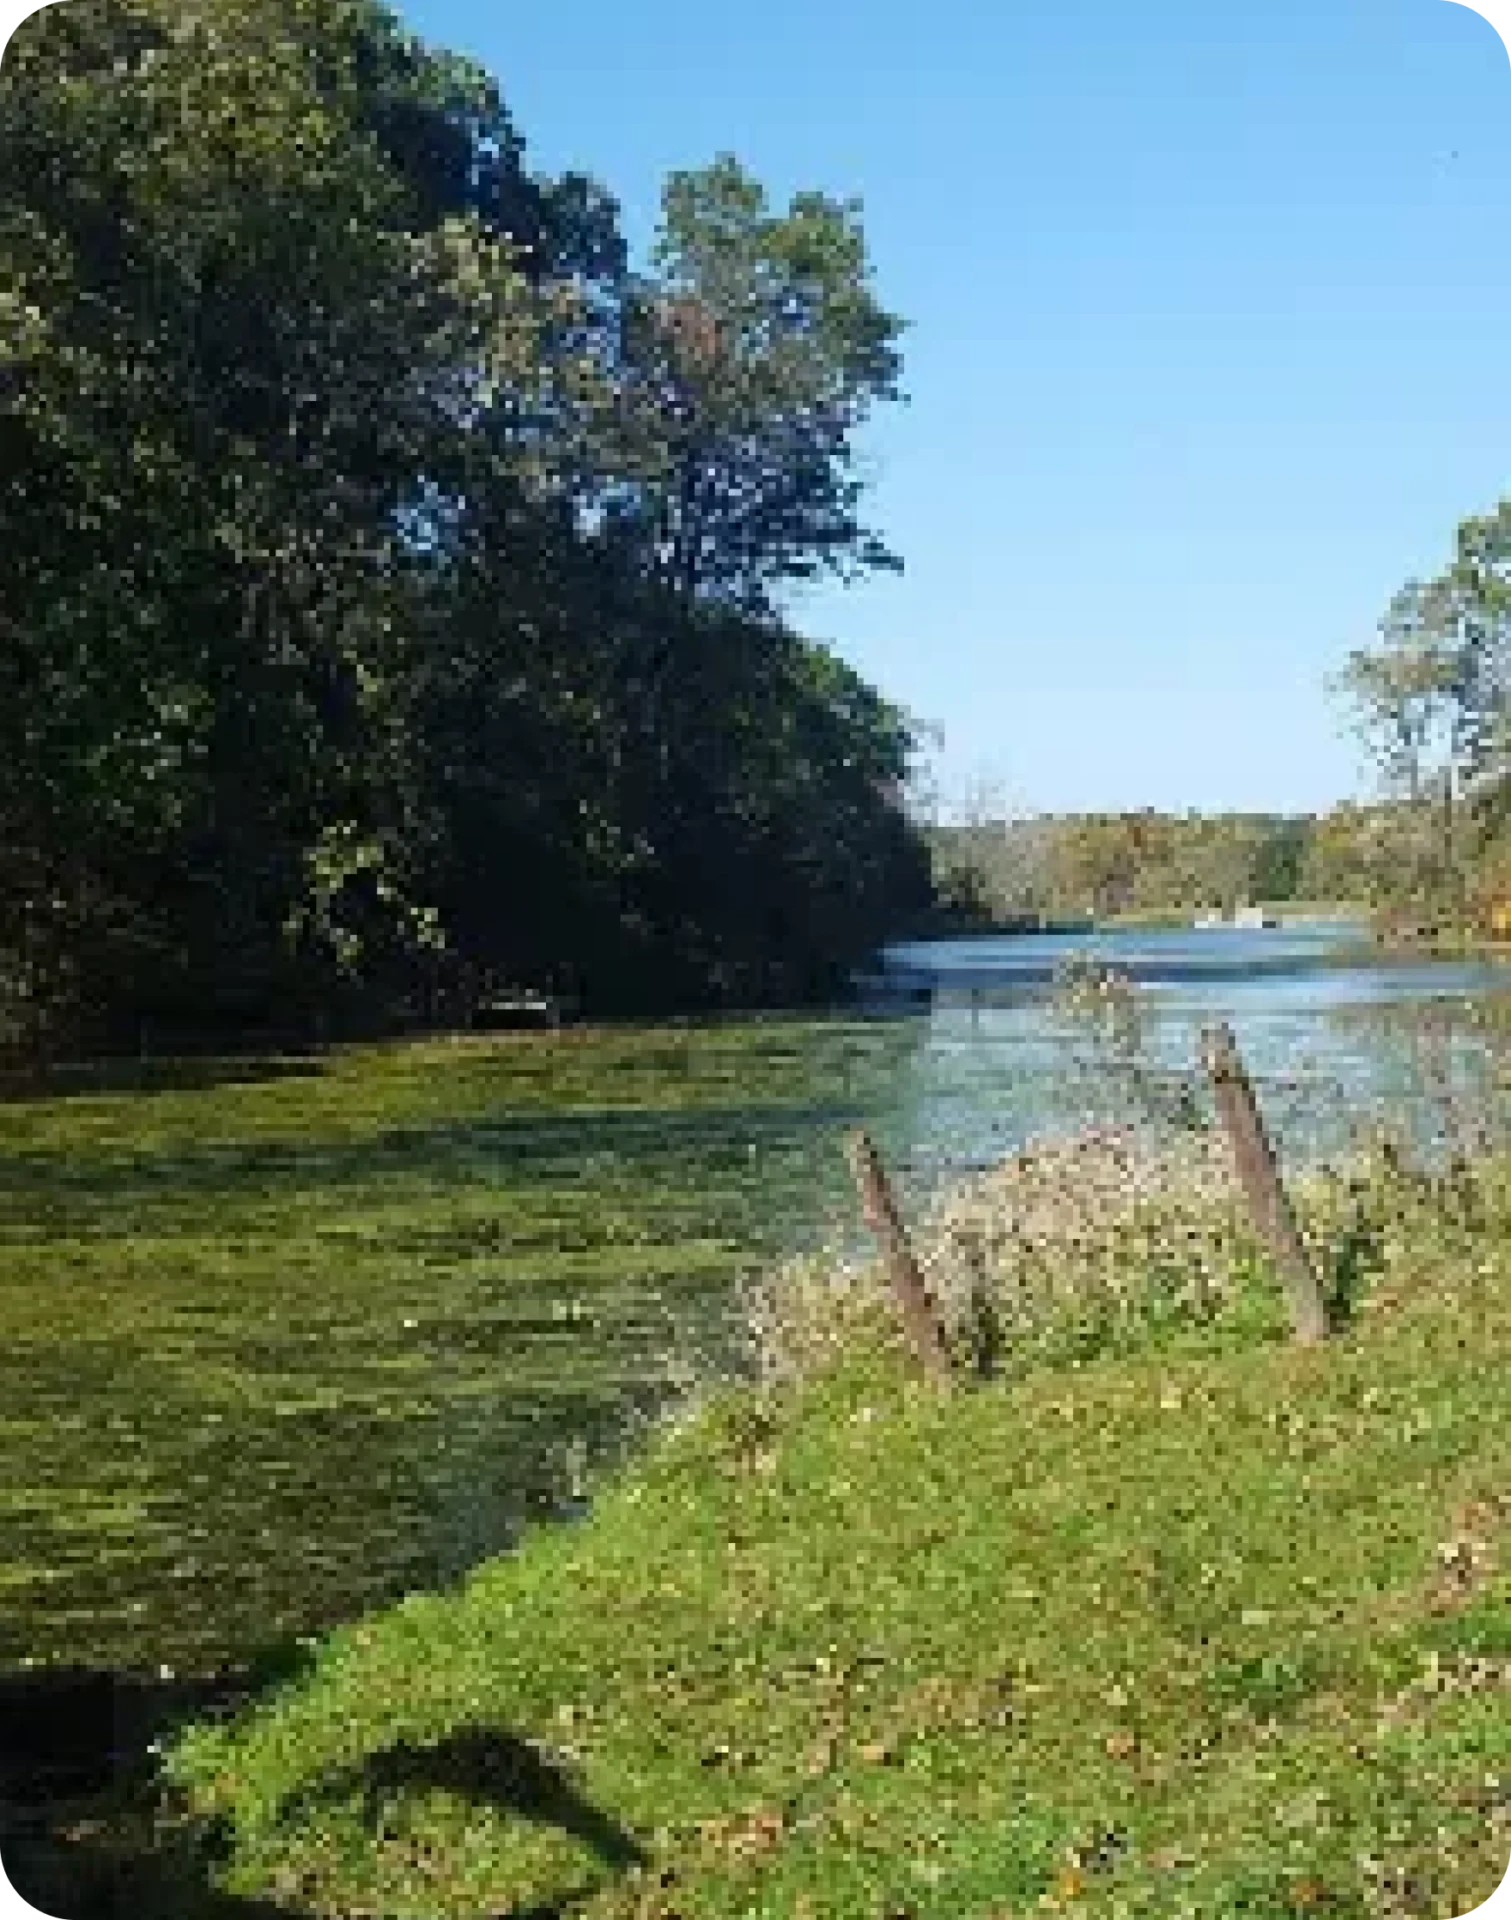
column 1070, row 866
column 1429, row 852
column 1436, row 859
column 390, row 577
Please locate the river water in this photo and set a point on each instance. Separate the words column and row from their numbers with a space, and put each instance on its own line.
column 1334, row 1035
column 278, row 1345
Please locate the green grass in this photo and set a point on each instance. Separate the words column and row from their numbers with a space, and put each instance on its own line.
column 1205, row 1630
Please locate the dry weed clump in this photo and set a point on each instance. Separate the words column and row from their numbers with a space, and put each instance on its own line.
column 1117, row 1229
column 1104, row 1226
column 1126, row 1224
column 1099, row 1223
column 802, row 1317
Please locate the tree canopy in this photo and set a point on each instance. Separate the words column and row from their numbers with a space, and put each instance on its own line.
column 1100, row 864
column 387, row 573
column 1431, row 700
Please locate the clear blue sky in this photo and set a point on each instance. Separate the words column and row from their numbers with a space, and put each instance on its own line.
column 1208, row 317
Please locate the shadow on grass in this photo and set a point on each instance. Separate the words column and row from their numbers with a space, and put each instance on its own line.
column 82, row 1828
column 180, row 1074
column 491, row 1767
column 79, row 1834
column 104, row 1879
column 67, row 1732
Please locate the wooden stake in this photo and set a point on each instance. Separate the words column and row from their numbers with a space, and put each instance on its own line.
column 1259, row 1176
column 920, row 1320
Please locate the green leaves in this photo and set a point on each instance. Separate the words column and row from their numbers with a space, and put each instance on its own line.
column 1432, row 703
column 358, row 588
column 751, row 355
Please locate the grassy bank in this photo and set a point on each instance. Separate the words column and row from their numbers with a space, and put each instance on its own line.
column 1194, row 1622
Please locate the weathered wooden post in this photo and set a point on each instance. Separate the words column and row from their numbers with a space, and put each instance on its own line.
column 920, row 1320
column 1259, row 1176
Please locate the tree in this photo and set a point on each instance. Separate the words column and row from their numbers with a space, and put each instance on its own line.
column 1432, row 701
column 255, row 318
column 750, row 356
column 1469, row 609
column 320, row 686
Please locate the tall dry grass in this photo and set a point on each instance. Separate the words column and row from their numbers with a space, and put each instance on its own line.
column 1077, row 1244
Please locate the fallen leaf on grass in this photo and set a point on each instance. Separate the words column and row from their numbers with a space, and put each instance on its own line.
column 759, row 1833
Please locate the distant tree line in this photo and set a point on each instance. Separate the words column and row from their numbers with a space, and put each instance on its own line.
column 1428, row 853
column 1071, row 866
column 1436, row 862
column 391, row 577
column 1436, row 859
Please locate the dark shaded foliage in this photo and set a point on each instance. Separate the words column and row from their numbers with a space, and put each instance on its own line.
column 340, row 681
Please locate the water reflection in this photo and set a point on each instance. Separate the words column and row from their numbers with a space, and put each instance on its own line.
column 1335, row 1035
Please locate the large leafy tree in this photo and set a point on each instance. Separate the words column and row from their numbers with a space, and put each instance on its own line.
column 259, row 290
column 747, row 360
column 1432, row 701
column 369, row 625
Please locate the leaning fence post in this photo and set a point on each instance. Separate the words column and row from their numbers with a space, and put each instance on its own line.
column 920, row 1321
column 1259, row 1176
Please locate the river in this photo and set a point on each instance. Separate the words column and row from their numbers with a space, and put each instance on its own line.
column 1322, row 1019
column 279, row 1342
